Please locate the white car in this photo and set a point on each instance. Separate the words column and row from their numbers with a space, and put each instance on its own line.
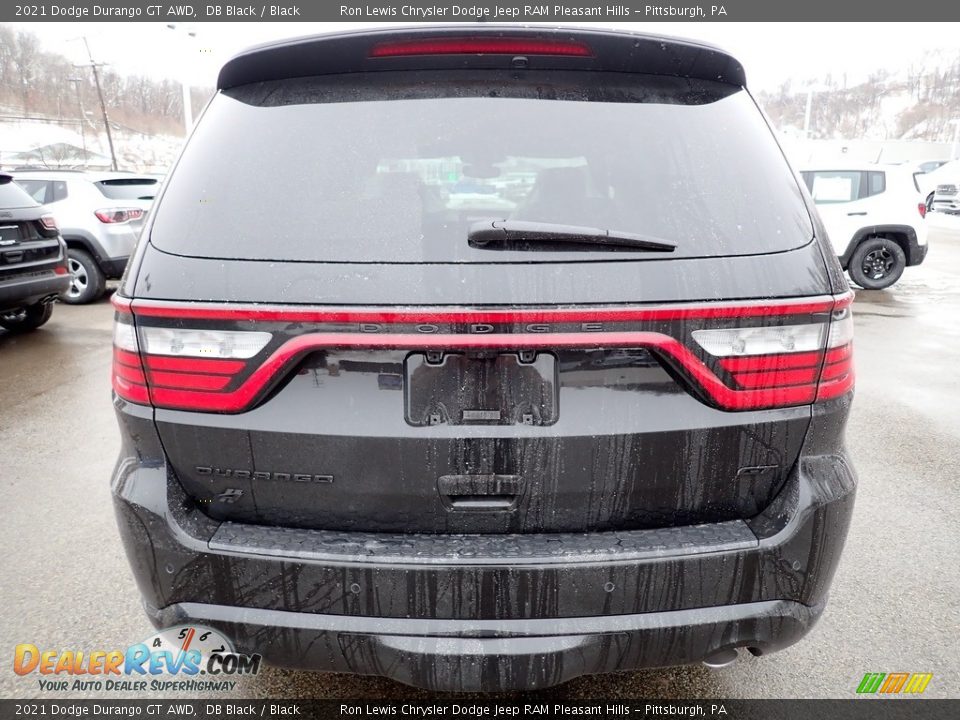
column 874, row 217
column 100, row 216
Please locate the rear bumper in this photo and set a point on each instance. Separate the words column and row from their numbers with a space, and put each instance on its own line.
column 489, row 612
column 113, row 267
column 917, row 253
column 27, row 289
column 498, row 655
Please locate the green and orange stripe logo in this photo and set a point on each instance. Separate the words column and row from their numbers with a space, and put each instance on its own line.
column 894, row 683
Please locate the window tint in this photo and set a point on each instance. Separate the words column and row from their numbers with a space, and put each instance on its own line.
column 374, row 168
column 833, row 186
column 37, row 189
column 59, row 191
column 13, row 196
column 128, row 188
column 840, row 186
column 876, row 183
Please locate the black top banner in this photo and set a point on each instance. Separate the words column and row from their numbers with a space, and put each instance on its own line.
column 385, row 11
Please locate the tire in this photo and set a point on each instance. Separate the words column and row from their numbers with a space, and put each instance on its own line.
column 87, row 282
column 26, row 319
column 877, row 263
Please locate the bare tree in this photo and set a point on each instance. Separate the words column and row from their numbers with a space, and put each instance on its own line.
column 25, row 59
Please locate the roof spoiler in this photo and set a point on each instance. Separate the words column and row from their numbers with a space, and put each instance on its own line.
column 5, row 178
column 361, row 51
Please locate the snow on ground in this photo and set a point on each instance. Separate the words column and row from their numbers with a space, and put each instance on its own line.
column 63, row 146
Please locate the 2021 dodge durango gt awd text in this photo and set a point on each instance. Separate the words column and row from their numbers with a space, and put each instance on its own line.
column 527, row 359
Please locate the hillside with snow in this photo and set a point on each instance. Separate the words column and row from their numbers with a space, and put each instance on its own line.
column 916, row 102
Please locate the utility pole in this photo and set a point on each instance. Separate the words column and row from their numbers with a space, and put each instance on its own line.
column 103, row 105
column 185, row 82
column 806, row 114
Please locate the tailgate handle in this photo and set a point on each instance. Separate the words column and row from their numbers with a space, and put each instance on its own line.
column 13, row 256
column 482, row 493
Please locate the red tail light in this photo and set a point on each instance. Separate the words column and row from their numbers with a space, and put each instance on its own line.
column 128, row 378
column 180, row 368
column 49, row 222
column 786, row 364
column 481, row 46
column 113, row 216
column 922, row 208
column 774, row 354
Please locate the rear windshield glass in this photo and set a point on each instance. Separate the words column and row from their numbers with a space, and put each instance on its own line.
column 128, row 188
column 13, row 196
column 397, row 167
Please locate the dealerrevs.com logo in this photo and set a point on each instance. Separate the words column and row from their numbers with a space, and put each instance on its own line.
column 184, row 658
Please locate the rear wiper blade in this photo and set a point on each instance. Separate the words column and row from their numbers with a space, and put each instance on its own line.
column 498, row 233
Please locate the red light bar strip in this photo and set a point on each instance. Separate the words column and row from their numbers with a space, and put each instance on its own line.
column 844, row 300
column 266, row 313
column 835, row 388
column 757, row 363
column 130, row 374
column 480, row 46
column 189, row 380
column 120, row 303
column 779, row 378
column 673, row 350
column 839, row 353
column 837, row 370
column 125, row 357
column 194, row 365
column 133, row 392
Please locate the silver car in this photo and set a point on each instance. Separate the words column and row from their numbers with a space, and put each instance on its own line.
column 100, row 215
column 946, row 199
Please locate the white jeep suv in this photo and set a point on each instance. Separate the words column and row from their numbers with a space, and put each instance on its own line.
column 874, row 217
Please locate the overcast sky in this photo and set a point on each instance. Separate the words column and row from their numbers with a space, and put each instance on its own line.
column 771, row 52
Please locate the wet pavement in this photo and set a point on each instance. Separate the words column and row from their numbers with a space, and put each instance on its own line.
column 894, row 604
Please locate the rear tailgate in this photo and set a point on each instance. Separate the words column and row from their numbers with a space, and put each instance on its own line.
column 482, row 420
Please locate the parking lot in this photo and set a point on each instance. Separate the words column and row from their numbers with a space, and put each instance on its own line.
column 894, row 604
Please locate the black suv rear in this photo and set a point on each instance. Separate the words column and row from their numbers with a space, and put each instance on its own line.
column 483, row 358
column 33, row 260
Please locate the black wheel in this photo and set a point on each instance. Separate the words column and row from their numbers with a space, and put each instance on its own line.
column 27, row 318
column 877, row 263
column 87, row 282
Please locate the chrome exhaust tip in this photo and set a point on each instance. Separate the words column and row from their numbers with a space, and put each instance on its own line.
column 721, row 658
